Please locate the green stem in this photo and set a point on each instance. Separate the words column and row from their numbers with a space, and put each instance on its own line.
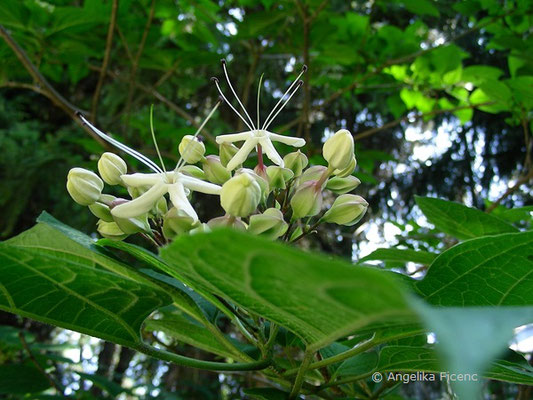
column 308, row 356
column 200, row 364
column 358, row 349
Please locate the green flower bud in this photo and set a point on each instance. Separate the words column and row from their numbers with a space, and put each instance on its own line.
column 161, row 207
column 101, row 211
column 84, row 186
column 226, row 152
column 176, row 222
column 263, row 183
column 241, row 195
column 191, row 149
column 133, row 225
column 307, row 200
column 110, row 230
column 338, row 150
column 296, row 162
column 270, row 224
column 347, row 209
column 313, row 173
column 194, row 171
column 342, row 185
column 278, row 176
column 214, row 171
column 227, row 221
column 348, row 170
column 111, row 167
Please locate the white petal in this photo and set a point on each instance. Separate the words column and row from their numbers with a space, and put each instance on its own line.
column 271, row 152
column 242, row 154
column 141, row 204
column 198, row 185
column 180, row 201
column 234, row 137
column 137, row 180
column 291, row 141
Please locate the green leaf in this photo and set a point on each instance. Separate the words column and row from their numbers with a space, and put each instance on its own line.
column 20, row 379
column 421, row 7
column 497, row 90
column 56, row 288
column 318, row 298
column 113, row 388
column 478, row 74
column 402, row 255
column 50, row 236
column 494, row 270
column 178, row 326
column 460, row 221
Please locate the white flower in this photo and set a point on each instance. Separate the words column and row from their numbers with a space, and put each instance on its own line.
column 161, row 182
column 176, row 184
column 258, row 135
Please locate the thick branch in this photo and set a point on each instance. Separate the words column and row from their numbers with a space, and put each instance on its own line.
column 105, row 62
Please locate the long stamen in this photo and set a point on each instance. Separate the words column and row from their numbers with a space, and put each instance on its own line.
column 258, row 97
column 153, row 137
column 215, row 80
column 235, row 94
column 181, row 161
column 296, row 81
column 300, row 83
column 135, row 154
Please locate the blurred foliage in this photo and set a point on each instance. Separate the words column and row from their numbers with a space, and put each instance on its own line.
column 404, row 76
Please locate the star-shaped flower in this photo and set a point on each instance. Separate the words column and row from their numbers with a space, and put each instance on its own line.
column 161, row 182
column 176, row 184
column 258, row 136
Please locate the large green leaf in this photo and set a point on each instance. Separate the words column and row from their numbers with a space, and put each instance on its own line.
column 319, row 298
column 494, row 270
column 460, row 221
column 58, row 289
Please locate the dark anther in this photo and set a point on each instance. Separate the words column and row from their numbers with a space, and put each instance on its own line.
column 221, row 99
column 304, row 68
column 200, row 138
column 223, row 61
column 214, row 79
column 300, row 82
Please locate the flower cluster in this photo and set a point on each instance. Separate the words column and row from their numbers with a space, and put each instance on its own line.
column 280, row 200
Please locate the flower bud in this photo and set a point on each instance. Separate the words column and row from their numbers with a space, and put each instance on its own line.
column 347, row 209
column 313, row 173
column 296, row 162
column 133, row 225
column 201, row 228
column 241, row 195
column 110, row 230
column 214, row 171
column 111, row 167
column 226, row 152
column 338, row 150
column 101, row 211
column 270, row 224
column 191, row 149
column 278, row 176
column 263, row 183
column 193, row 170
column 84, row 186
column 227, row 221
column 307, row 200
column 176, row 222
column 343, row 185
column 348, row 170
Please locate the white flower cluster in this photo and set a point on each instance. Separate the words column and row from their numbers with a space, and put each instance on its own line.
column 266, row 200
